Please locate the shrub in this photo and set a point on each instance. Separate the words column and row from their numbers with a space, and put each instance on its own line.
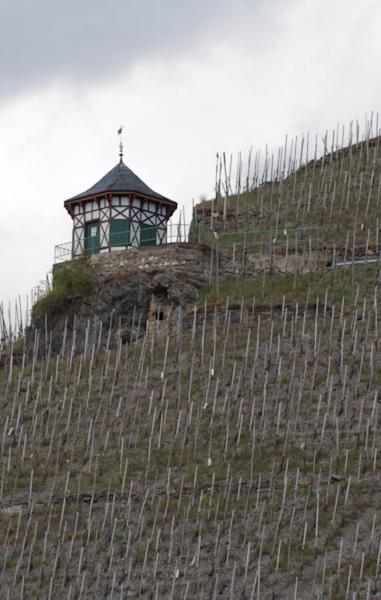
column 70, row 281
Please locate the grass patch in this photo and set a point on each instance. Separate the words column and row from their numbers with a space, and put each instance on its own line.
column 71, row 280
column 270, row 288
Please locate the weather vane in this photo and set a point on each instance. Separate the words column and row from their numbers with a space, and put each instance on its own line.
column 120, row 132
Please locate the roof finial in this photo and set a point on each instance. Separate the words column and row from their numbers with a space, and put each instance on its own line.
column 120, row 132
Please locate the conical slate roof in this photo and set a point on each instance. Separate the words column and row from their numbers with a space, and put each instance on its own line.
column 120, row 179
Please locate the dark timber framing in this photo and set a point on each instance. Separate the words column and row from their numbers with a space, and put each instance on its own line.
column 120, row 195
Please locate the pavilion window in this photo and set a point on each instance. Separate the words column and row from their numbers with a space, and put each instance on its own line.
column 148, row 235
column 120, row 232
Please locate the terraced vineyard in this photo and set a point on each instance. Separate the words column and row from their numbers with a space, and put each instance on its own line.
column 230, row 449
column 233, row 454
column 339, row 192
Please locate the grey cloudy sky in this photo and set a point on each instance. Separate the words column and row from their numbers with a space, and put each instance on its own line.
column 188, row 78
column 91, row 41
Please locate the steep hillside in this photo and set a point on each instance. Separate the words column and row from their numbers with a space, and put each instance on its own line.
column 202, row 420
column 230, row 454
column 338, row 192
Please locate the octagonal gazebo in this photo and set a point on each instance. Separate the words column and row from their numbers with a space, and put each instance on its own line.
column 120, row 210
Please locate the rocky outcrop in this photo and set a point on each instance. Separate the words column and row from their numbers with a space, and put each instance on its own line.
column 128, row 279
column 137, row 288
column 129, row 288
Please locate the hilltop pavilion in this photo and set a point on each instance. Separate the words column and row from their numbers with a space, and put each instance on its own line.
column 120, row 210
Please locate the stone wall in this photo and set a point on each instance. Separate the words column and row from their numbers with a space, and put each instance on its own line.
column 182, row 258
column 136, row 289
column 196, row 263
column 175, row 271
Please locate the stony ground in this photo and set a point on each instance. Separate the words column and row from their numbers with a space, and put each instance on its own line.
column 233, row 453
column 230, row 449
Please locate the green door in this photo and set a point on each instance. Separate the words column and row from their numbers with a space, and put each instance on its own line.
column 92, row 237
column 147, row 235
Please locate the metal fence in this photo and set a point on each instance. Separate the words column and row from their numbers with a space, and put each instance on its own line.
column 270, row 239
column 259, row 237
column 63, row 252
column 176, row 233
column 42, row 288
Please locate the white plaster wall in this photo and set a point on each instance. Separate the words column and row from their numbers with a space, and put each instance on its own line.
column 135, row 231
column 104, row 234
column 161, row 233
column 104, row 227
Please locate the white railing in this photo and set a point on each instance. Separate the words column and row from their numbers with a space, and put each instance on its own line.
column 42, row 288
column 176, row 233
column 62, row 252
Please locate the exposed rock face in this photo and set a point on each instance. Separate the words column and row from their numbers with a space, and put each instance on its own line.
column 134, row 289
column 129, row 278
column 174, row 270
column 132, row 286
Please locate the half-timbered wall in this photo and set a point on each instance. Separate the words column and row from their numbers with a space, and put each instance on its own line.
column 78, row 231
column 104, row 223
column 137, row 210
column 149, row 213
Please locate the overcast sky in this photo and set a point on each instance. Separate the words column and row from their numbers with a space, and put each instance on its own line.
column 188, row 78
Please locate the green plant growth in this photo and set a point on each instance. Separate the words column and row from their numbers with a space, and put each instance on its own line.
column 338, row 192
column 270, row 288
column 70, row 281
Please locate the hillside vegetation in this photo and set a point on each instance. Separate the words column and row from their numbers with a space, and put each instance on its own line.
column 339, row 192
column 234, row 455
column 232, row 448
